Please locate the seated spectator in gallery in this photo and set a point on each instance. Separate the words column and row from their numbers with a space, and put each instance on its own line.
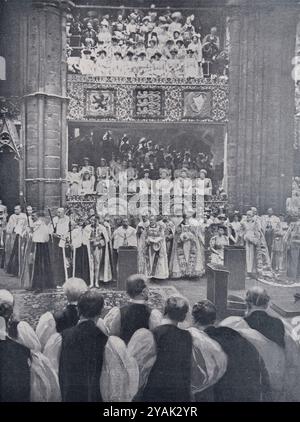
column 119, row 26
column 166, row 50
column 158, row 65
column 212, row 38
column 131, row 27
column 113, row 47
column 87, row 166
column 131, row 171
column 117, row 65
column 162, row 31
column 191, row 66
column 174, row 66
column 89, row 34
column 145, row 183
column 102, row 64
column 72, row 62
column 104, row 34
column 103, row 171
column 246, row 378
column 175, row 25
column 188, row 30
column 163, row 184
column 207, row 182
column 181, row 54
column 196, row 46
column 143, row 65
column 26, row 375
column 73, row 179
column 86, row 63
column 170, row 377
column 152, row 47
column 57, row 321
column 129, row 64
column 87, row 184
column 126, row 320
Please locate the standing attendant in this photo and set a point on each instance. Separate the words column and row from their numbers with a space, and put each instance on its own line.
column 59, row 231
column 37, row 271
column 170, row 376
column 125, row 235
column 156, row 250
column 15, row 230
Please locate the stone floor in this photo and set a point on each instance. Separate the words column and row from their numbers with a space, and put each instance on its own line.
column 193, row 290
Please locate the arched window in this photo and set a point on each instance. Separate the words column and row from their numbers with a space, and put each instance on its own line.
column 2, row 69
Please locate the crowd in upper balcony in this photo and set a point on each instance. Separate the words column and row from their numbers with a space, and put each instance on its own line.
column 144, row 44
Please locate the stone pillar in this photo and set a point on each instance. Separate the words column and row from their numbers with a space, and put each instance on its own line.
column 261, row 105
column 44, row 108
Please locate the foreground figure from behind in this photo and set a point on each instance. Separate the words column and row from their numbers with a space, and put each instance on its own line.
column 125, row 321
column 246, row 378
column 55, row 322
column 25, row 374
column 170, row 377
column 92, row 367
column 273, row 342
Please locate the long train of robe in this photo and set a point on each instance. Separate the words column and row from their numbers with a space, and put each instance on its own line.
column 58, row 257
column 187, row 258
column 282, row 364
column 14, row 251
column 208, row 361
column 37, row 268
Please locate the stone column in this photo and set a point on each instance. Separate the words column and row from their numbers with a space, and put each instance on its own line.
column 261, row 105
column 43, row 34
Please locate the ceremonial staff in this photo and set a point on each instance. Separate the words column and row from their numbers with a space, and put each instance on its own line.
column 51, row 219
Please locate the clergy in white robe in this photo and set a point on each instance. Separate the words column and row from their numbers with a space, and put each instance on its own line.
column 92, row 367
column 14, row 244
column 20, row 353
column 59, row 228
column 125, row 235
column 136, row 314
column 53, row 322
column 37, row 269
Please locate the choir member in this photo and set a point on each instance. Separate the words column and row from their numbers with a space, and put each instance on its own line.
column 26, row 375
column 170, row 377
column 14, row 244
column 273, row 340
column 91, row 366
column 246, row 378
column 37, row 273
column 55, row 322
column 156, row 251
column 59, row 228
column 125, row 321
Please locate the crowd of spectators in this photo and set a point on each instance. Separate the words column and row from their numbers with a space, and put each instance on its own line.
column 141, row 44
column 143, row 161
